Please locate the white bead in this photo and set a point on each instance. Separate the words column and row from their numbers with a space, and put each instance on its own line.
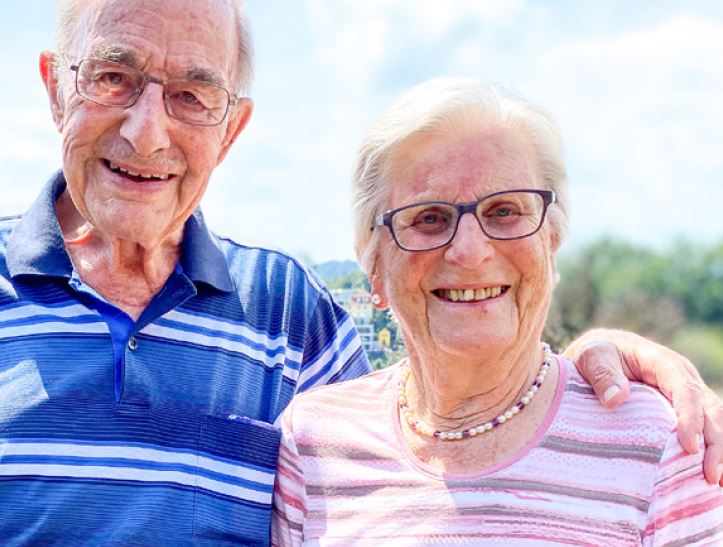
column 533, row 389
column 501, row 419
column 488, row 426
column 514, row 410
column 525, row 400
column 508, row 415
column 458, row 435
column 473, row 432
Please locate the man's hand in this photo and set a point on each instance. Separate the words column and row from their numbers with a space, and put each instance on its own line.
column 608, row 358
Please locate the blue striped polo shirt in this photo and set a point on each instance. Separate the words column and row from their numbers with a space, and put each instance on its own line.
column 168, row 439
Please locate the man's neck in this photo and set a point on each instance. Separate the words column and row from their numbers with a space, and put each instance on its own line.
column 125, row 273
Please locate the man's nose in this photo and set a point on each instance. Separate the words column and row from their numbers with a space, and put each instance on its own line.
column 146, row 122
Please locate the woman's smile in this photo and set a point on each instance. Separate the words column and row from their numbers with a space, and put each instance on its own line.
column 464, row 295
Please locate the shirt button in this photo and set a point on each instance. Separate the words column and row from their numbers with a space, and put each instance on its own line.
column 132, row 343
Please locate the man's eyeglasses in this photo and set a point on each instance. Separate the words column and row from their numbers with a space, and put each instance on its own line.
column 513, row 214
column 114, row 84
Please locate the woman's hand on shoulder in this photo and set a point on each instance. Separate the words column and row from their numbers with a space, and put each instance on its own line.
column 608, row 358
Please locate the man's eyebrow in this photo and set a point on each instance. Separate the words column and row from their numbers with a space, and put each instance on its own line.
column 128, row 58
column 116, row 55
column 204, row 75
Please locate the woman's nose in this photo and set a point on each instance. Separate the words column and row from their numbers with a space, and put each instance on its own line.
column 470, row 246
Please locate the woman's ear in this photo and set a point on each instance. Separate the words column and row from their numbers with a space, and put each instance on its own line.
column 379, row 297
column 554, row 272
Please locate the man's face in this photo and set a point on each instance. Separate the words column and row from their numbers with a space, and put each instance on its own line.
column 135, row 173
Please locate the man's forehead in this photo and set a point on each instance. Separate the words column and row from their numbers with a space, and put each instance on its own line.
column 196, row 43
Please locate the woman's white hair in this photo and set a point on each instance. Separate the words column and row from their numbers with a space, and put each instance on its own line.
column 445, row 106
column 71, row 16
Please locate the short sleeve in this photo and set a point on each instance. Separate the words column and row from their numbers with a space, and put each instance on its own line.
column 289, row 503
column 684, row 509
column 332, row 348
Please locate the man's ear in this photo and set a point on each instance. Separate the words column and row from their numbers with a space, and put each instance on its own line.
column 239, row 116
column 50, row 79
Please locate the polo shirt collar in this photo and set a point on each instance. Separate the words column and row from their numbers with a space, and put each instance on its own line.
column 202, row 258
column 36, row 245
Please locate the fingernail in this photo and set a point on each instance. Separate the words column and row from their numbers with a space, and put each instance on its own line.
column 610, row 392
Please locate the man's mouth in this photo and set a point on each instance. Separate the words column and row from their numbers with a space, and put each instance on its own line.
column 470, row 295
column 132, row 175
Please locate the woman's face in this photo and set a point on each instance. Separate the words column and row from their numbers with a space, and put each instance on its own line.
column 512, row 280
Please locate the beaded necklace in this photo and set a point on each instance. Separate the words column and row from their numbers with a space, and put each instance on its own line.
column 427, row 430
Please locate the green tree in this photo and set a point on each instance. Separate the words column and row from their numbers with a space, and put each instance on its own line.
column 352, row 280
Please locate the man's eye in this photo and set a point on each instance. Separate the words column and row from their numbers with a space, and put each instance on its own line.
column 188, row 98
column 113, row 79
column 194, row 99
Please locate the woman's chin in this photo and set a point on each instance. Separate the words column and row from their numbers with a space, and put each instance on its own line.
column 471, row 337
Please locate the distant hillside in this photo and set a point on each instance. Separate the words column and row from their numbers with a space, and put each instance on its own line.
column 336, row 268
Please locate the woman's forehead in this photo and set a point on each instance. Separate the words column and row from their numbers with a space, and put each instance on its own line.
column 461, row 166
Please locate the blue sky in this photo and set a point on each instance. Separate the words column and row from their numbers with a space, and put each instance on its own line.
column 637, row 88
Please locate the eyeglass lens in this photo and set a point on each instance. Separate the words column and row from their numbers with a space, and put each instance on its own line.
column 507, row 215
column 113, row 84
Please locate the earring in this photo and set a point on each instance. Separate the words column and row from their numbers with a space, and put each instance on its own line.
column 376, row 299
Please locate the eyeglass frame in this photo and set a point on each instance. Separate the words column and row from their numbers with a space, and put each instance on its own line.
column 147, row 78
column 385, row 219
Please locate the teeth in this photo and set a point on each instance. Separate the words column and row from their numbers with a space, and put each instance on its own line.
column 469, row 295
column 115, row 167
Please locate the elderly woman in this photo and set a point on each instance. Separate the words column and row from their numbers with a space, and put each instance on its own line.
column 482, row 435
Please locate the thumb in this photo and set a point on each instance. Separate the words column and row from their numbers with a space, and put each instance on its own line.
column 600, row 364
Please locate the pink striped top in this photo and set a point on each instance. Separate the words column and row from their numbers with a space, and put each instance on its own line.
column 590, row 476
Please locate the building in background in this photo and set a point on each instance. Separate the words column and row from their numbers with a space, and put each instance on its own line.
column 359, row 305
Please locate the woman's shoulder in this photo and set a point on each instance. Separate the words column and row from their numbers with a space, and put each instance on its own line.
column 349, row 396
column 646, row 415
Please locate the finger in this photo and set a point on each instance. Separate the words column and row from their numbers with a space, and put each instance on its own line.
column 688, row 404
column 713, row 464
column 713, row 433
column 601, row 365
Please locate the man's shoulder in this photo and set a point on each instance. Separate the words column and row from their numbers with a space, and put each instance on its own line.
column 255, row 263
column 7, row 224
column 258, row 255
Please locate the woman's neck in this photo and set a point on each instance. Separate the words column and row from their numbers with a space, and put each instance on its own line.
column 449, row 394
column 487, row 394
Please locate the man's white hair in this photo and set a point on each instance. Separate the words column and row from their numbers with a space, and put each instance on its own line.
column 70, row 16
column 444, row 106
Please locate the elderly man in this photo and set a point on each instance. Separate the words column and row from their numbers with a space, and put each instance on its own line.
column 144, row 360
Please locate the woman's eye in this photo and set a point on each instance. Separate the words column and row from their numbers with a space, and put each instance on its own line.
column 431, row 220
column 503, row 211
